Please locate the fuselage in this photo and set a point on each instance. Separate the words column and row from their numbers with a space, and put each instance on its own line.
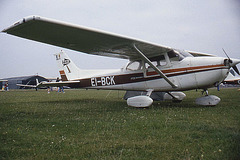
column 188, row 73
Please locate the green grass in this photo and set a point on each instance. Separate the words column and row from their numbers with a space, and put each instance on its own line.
column 94, row 125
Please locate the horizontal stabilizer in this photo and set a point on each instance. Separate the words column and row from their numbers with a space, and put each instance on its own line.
column 57, row 84
column 25, row 85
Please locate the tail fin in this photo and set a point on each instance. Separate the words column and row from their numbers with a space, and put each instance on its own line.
column 68, row 70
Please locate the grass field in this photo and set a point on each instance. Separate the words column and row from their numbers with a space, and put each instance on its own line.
column 94, row 124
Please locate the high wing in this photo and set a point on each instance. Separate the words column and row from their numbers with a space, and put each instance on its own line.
column 199, row 54
column 83, row 39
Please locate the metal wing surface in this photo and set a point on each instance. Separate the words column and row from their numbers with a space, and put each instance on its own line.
column 199, row 54
column 83, row 39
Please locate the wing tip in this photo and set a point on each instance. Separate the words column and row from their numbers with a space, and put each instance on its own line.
column 24, row 20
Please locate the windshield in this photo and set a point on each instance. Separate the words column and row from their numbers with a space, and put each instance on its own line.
column 183, row 53
column 178, row 55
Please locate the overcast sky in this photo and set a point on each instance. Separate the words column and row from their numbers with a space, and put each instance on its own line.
column 204, row 26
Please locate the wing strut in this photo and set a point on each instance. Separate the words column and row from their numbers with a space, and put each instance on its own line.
column 154, row 67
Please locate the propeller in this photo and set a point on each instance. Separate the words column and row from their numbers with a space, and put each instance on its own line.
column 232, row 62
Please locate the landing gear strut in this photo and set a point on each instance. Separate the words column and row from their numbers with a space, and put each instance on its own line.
column 205, row 91
column 174, row 98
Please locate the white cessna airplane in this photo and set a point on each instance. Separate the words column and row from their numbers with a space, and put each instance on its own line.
column 151, row 68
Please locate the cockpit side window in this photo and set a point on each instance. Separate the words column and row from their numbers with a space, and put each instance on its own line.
column 157, row 61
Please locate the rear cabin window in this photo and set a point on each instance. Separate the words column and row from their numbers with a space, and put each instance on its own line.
column 134, row 66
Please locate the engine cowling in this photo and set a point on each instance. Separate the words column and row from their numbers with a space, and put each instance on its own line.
column 140, row 101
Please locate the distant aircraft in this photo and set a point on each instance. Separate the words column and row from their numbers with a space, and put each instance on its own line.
column 151, row 68
column 232, row 78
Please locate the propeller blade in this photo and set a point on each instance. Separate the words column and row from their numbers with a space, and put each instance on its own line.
column 227, row 56
column 225, row 53
column 232, row 63
column 236, row 69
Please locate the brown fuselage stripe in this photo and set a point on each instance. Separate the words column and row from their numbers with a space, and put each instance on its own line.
column 139, row 77
column 187, row 69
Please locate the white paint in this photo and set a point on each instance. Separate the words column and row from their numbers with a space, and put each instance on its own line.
column 139, row 101
column 210, row 100
column 179, row 95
